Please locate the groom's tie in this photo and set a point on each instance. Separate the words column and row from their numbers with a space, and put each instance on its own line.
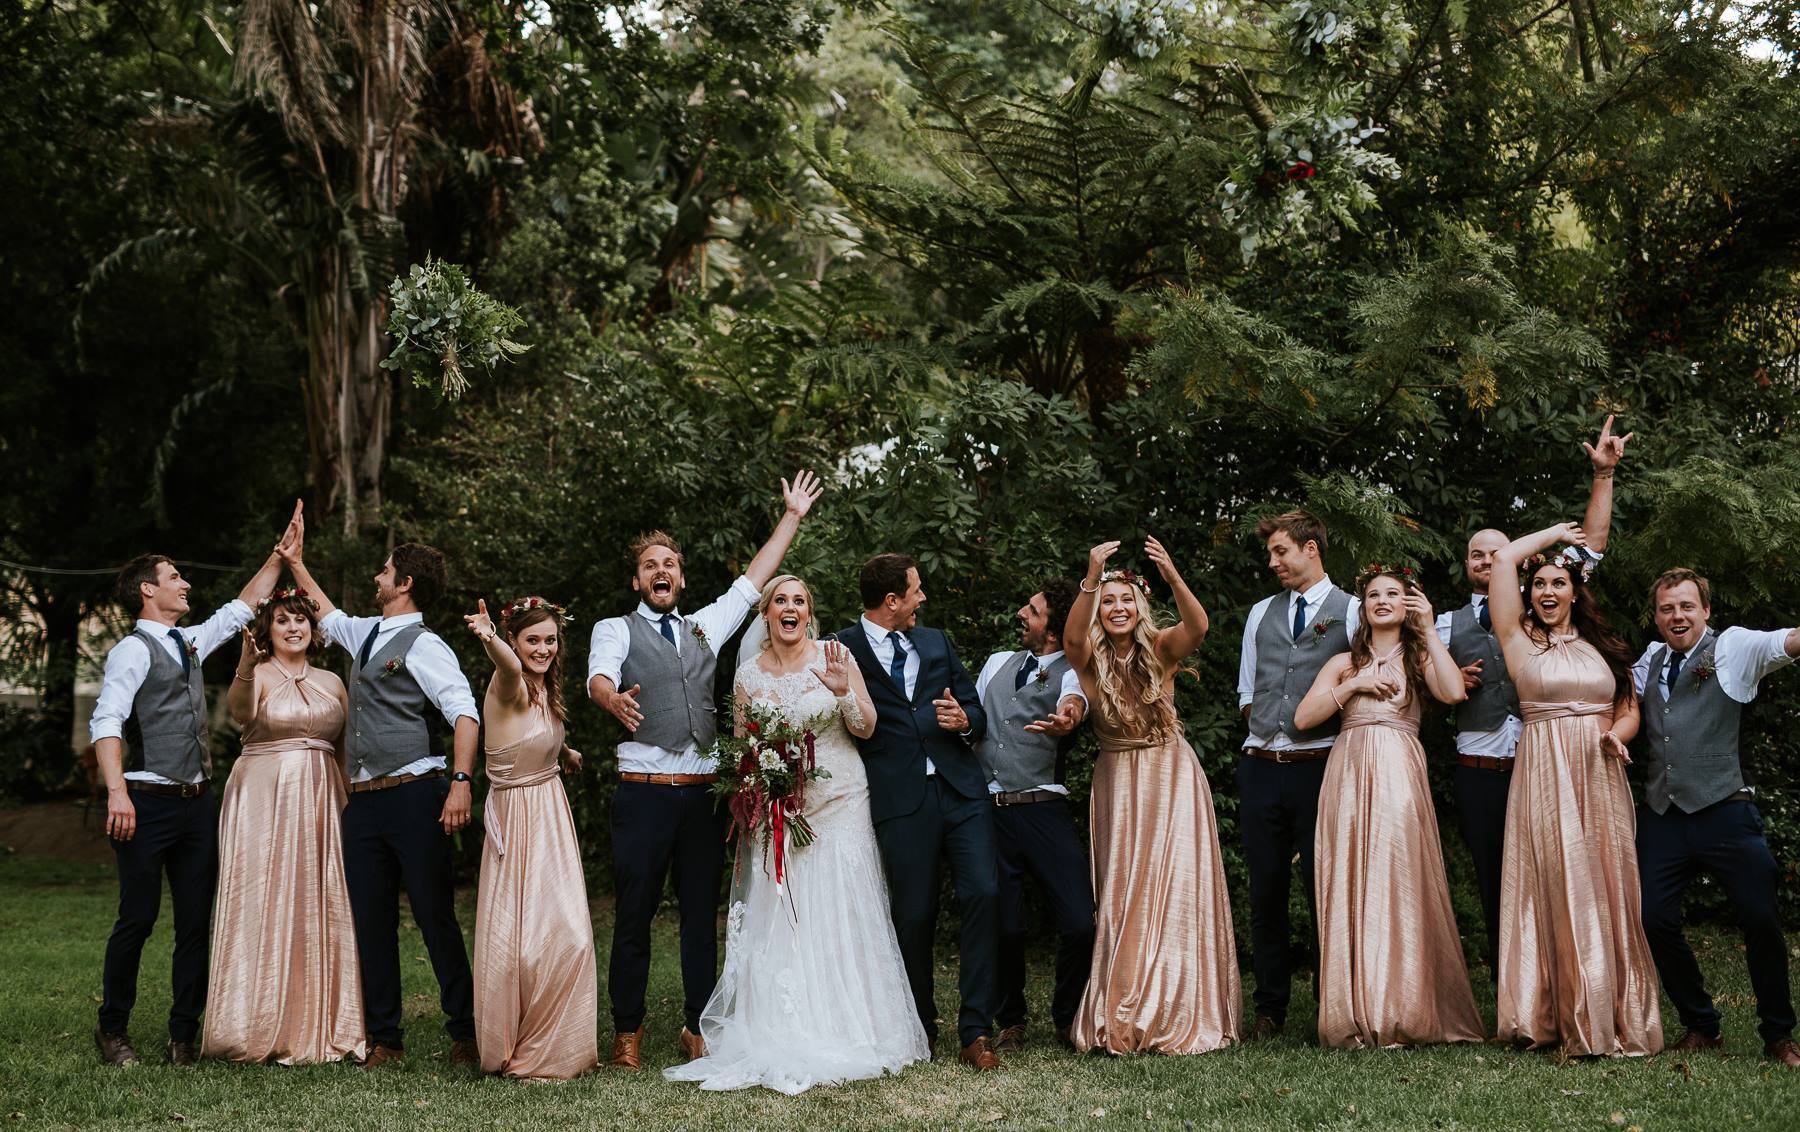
column 897, row 666
column 1025, row 671
column 368, row 648
column 187, row 664
column 1299, row 615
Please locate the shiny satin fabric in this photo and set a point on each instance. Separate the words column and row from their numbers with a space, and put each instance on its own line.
column 1575, row 966
column 284, row 983
column 1164, row 977
column 1391, row 969
column 536, row 997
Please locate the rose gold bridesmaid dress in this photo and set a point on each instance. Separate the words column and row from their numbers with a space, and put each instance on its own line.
column 1391, row 970
column 536, row 1000
column 284, row 984
column 1164, row 976
column 1575, row 967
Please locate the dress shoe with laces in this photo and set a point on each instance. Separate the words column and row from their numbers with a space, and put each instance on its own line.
column 181, row 1053
column 115, row 1049
column 626, row 1052
column 1693, row 1041
column 979, row 1055
column 382, row 1055
column 692, row 1044
column 465, row 1052
column 1783, row 1051
column 1264, row 1028
column 1011, row 1040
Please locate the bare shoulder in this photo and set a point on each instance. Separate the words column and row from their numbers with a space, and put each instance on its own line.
column 329, row 680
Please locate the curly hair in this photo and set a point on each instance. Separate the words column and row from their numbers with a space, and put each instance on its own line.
column 515, row 621
column 1146, row 707
column 263, row 628
column 1415, row 649
column 1587, row 621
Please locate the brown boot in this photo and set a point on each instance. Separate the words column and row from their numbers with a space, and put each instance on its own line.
column 1784, row 1052
column 1264, row 1028
column 692, row 1044
column 979, row 1055
column 115, row 1049
column 465, row 1052
column 181, row 1053
column 382, row 1055
column 626, row 1053
column 1694, row 1041
column 1011, row 1040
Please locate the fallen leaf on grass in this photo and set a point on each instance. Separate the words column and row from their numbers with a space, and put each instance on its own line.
column 421, row 1103
column 1283, row 1091
column 1098, row 1112
column 1681, row 1067
column 177, row 1118
column 1351, row 1109
column 1617, row 1118
column 1244, row 1096
column 1571, row 1092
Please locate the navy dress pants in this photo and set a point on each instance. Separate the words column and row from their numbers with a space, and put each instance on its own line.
column 1278, row 808
column 1039, row 840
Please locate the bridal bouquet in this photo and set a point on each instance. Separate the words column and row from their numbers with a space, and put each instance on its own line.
column 763, row 774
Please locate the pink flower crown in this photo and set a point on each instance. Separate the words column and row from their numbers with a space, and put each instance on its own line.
column 527, row 604
column 1136, row 581
column 286, row 593
column 1373, row 570
column 1570, row 558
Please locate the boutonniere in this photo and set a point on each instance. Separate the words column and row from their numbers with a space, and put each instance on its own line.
column 1041, row 677
column 699, row 634
column 1322, row 626
column 1702, row 671
column 193, row 650
column 391, row 667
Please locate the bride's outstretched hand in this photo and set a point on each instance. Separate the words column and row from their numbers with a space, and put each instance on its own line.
column 802, row 493
column 836, row 673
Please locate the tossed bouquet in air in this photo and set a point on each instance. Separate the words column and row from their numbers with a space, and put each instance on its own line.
column 763, row 775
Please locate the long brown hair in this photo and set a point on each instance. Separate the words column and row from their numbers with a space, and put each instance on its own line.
column 517, row 621
column 1415, row 650
column 1587, row 620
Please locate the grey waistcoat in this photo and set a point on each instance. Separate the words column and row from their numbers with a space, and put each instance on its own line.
column 387, row 727
column 1495, row 698
column 1693, row 735
column 675, row 691
column 1016, row 758
column 167, row 727
column 1286, row 668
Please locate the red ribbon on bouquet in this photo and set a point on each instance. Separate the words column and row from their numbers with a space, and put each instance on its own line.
column 780, row 835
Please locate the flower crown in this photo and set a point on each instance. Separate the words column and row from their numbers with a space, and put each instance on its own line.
column 1570, row 558
column 527, row 604
column 286, row 593
column 1374, row 570
column 1134, row 580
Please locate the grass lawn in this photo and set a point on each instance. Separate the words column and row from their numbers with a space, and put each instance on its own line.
column 54, row 917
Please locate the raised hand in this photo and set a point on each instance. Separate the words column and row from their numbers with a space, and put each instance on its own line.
column 1572, row 534
column 1164, row 564
column 1608, row 450
column 251, row 651
column 1097, row 558
column 480, row 623
column 293, row 540
column 1471, row 675
column 950, row 714
column 802, row 493
column 836, row 673
column 1418, row 609
column 624, row 707
column 1059, row 722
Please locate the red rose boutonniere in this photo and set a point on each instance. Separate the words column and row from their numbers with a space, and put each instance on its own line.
column 1702, row 671
column 193, row 650
column 1041, row 677
column 699, row 634
column 1322, row 626
column 391, row 667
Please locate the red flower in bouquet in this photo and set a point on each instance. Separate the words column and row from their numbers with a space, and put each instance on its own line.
column 763, row 775
column 1301, row 171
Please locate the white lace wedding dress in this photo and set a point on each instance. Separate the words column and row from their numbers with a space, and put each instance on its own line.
column 814, row 991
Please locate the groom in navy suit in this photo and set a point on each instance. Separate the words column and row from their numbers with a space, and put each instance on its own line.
column 927, row 794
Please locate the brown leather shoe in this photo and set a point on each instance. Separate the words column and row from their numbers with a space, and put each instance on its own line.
column 1784, row 1051
column 465, row 1052
column 181, row 1053
column 1065, row 1037
column 115, row 1049
column 692, row 1044
column 381, row 1055
column 1011, row 1040
column 1264, row 1028
column 626, row 1053
column 1693, row 1041
column 979, row 1055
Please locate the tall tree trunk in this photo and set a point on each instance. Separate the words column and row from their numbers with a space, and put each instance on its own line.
column 62, row 614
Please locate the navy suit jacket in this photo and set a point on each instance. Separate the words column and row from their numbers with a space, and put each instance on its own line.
column 907, row 731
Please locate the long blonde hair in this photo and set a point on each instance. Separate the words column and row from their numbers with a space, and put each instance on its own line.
column 1152, row 709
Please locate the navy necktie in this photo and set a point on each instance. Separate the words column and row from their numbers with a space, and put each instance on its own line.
column 668, row 628
column 181, row 646
column 1025, row 671
column 1481, row 615
column 1675, row 662
column 897, row 666
column 1299, row 615
column 368, row 648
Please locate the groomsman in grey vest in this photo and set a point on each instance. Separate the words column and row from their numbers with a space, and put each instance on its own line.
column 405, row 804
column 1033, row 701
column 160, row 814
column 1287, row 640
column 1698, row 813
column 1489, row 722
column 653, row 670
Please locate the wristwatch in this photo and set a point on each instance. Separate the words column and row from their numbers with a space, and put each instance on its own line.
column 461, row 776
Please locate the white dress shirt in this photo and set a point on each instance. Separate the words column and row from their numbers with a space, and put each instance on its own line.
column 884, row 657
column 429, row 661
column 1503, row 741
column 611, row 640
column 1071, row 686
column 1741, row 658
column 1315, row 600
column 127, row 664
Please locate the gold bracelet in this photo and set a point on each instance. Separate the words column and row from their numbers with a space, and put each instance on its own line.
column 250, row 679
column 1334, row 699
column 1085, row 590
column 1603, row 475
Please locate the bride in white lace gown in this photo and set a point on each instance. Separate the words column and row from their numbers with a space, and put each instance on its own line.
column 814, row 991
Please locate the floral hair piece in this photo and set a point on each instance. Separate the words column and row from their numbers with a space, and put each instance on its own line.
column 1136, row 581
column 527, row 604
column 286, row 593
column 1374, row 570
column 1570, row 558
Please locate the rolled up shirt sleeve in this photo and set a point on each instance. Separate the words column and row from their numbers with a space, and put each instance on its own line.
column 606, row 649
column 724, row 616
column 1443, row 628
column 126, row 666
column 434, row 666
column 1071, row 686
column 1745, row 656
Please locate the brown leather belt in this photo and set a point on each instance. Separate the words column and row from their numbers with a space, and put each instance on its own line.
column 168, row 789
column 1023, row 797
column 1310, row 755
column 388, row 782
column 668, row 779
column 1485, row 762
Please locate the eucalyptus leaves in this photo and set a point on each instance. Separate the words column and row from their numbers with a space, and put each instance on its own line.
column 441, row 324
